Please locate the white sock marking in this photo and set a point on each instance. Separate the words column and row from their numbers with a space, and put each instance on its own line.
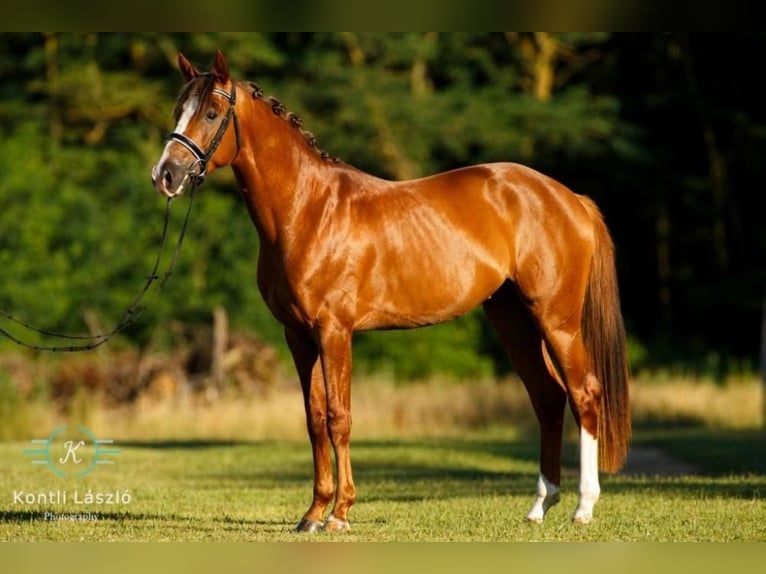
column 547, row 496
column 589, row 486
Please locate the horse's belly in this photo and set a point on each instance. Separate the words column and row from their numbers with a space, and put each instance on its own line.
column 424, row 297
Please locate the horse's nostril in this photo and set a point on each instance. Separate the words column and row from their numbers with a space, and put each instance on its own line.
column 167, row 178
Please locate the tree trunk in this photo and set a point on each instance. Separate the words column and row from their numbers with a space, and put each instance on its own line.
column 55, row 123
column 547, row 50
column 220, row 343
column 716, row 161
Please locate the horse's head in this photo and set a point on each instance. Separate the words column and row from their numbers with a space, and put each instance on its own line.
column 202, row 140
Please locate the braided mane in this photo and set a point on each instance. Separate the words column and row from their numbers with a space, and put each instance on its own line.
column 292, row 118
column 203, row 84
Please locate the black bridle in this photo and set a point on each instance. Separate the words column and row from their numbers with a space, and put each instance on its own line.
column 198, row 169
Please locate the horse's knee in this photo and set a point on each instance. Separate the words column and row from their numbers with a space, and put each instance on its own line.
column 316, row 423
column 336, row 422
column 339, row 425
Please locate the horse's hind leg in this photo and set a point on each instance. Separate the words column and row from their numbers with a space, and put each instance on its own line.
column 522, row 340
column 564, row 340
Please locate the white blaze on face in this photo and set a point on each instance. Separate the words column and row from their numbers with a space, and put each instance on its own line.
column 190, row 107
column 187, row 113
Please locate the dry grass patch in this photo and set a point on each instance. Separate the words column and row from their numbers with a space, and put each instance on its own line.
column 383, row 409
column 736, row 405
column 433, row 408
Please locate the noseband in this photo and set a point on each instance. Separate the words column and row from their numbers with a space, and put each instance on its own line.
column 198, row 170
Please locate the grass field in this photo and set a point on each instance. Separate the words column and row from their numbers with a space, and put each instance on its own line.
column 438, row 482
column 475, row 488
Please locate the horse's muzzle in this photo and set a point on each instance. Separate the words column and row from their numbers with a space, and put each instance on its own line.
column 169, row 178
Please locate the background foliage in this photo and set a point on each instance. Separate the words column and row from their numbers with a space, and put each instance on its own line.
column 666, row 132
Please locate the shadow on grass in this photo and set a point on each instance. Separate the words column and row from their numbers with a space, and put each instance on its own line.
column 750, row 488
column 717, row 452
column 406, row 469
column 423, row 469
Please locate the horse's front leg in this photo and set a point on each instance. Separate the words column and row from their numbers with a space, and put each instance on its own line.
column 306, row 357
column 335, row 352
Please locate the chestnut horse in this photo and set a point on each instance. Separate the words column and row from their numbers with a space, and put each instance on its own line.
column 343, row 251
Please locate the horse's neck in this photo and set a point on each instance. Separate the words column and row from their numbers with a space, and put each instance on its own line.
column 266, row 200
column 274, row 169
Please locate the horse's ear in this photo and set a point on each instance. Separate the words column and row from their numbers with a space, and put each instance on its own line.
column 188, row 71
column 221, row 68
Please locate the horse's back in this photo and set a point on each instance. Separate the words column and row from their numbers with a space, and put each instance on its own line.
column 505, row 191
column 436, row 247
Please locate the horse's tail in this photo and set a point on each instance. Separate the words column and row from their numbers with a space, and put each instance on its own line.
column 604, row 337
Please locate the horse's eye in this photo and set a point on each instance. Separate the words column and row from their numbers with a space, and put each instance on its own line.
column 212, row 114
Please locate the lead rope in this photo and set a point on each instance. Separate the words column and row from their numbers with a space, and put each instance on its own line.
column 133, row 312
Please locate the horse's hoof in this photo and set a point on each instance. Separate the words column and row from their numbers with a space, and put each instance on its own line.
column 306, row 525
column 334, row 524
column 582, row 519
column 532, row 519
column 543, row 503
column 583, row 514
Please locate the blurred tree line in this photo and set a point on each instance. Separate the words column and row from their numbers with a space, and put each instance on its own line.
column 665, row 131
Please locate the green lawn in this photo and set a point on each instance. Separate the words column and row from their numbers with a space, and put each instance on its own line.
column 471, row 489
